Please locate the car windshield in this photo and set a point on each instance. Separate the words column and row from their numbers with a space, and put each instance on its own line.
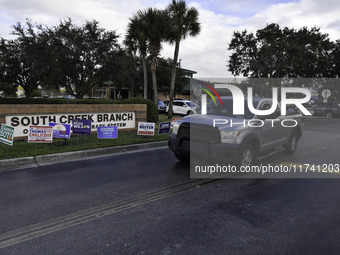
column 226, row 109
column 191, row 104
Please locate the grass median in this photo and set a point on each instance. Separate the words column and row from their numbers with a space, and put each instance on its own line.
column 78, row 142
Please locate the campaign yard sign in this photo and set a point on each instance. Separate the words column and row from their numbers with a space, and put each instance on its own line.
column 107, row 132
column 40, row 134
column 6, row 134
column 146, row 128
column 174, row 120
column 164, row 128
column 81, row 127
column 123, row 120
column 61, row 130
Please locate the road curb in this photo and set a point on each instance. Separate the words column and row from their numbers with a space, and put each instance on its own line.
column 5, row 163
column 73, row 155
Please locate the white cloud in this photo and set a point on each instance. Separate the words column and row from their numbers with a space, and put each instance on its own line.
column 309, row 13
column 207, row 53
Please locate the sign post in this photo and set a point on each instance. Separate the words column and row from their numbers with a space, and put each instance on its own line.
column 6, row 134
column 146, row 128
column 123, row 120
column 326, row 93
column 174, row 120
column 61, row 130
column 164, row 128
column 81, row 126
column 107, row 132
column 40, row 134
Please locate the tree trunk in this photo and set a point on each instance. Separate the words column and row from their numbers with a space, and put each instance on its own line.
column 28, row 91
column 145, row 71
column 154, row 83
column 173, row 79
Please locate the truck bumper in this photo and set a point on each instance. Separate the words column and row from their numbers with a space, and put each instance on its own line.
column 219, row 152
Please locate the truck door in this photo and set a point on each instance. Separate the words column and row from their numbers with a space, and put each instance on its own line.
column 271, row 134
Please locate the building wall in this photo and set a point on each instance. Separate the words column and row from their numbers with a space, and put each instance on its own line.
column 30, row 109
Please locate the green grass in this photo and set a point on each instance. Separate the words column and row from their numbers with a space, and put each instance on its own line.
column 76, row 143
column 164, row 117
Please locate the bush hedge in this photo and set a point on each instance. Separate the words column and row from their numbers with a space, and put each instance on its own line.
column 53, row 101
column 152, row 110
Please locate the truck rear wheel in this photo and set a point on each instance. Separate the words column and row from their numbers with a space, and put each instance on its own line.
column 329, row 114
column 292, row 144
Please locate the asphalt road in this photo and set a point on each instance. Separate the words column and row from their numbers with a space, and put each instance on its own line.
column 145, row 203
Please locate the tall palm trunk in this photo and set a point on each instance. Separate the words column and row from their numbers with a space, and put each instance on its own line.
column 173, row 79
column 145, row 73
column 154, row 82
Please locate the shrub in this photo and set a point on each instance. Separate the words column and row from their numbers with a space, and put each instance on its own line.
column 53, row 101
column 151, row 109
column 35, row 101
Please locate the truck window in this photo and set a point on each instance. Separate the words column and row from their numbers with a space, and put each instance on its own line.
column 266, row 106
column 226, row 109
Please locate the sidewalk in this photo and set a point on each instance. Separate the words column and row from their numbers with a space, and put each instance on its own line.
column 12, row 164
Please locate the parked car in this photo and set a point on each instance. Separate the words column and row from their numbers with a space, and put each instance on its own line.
column 167, row 101
column 183, row 107
column 161, row 106
column 329, row 109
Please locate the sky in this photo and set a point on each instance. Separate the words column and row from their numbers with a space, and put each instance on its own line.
column 206, row 53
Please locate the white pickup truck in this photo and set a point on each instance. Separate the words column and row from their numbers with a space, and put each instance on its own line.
column 220, row 135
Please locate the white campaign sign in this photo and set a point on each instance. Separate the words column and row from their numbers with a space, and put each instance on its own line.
column 146, row 128
column 121, row 120
column 326, row 93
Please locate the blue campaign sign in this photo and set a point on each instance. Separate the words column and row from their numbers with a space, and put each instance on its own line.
column 61, row 130
column 164, row 128
column 82, row 127
column 107, row 132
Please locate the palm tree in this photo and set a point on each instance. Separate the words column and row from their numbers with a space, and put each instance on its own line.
column 156, row 23
column 183, row 22
column 136, row 41
column 146, row 33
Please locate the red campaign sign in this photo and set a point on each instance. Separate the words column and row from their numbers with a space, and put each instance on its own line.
column 145, row 132
column 146, row 128
column 174, row 120
column 40, row 134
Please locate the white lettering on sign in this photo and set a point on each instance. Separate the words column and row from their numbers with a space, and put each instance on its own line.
column 119, row 119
